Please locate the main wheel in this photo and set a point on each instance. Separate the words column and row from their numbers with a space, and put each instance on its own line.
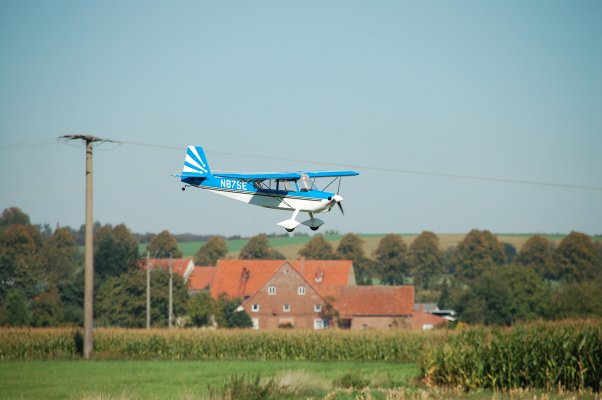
column 314, row 228
column 289, row 230
column 183, row 188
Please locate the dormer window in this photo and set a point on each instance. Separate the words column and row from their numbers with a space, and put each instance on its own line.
column 301, row 290
column 271, row 290
column 319, row 275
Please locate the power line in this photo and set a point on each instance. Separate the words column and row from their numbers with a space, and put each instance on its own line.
column 343, row 165
column 386, row 169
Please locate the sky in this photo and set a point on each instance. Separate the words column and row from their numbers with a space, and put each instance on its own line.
column 403, row 92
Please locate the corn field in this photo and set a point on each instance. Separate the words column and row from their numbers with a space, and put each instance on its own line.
column 564, row 356
column 337, row 345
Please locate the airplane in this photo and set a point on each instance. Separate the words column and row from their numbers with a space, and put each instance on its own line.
column 292, row 191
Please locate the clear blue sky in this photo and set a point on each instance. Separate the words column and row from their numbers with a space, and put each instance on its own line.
column 508, row 89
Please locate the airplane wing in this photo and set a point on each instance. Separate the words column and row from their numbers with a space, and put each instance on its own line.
column 329, row 174
column 292, row 176
column 260, row 177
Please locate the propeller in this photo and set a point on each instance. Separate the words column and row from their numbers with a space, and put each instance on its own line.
column 338, row 199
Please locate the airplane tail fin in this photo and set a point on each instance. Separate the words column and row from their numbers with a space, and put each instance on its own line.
column 195, row 164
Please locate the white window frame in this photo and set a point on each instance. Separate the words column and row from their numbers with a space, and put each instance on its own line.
column 255, row 307
column 317, row 307
column 286, row 308
column 319, row 324
column 271, row 290
column 255, row 323
column 301, row 290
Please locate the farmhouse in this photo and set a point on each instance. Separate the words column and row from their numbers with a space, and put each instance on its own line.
column 308, row 294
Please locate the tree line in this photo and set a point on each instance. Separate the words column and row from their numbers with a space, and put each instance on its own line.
column 42, row 280
column 484, row 280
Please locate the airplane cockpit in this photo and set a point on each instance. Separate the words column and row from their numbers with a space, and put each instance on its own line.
column 285, row 185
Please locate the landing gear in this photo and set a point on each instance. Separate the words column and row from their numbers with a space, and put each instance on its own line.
column 290, row 224
column 183, row 188
column 313, row 223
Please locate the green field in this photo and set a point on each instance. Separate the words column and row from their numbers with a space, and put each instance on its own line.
column 183, row 379
column 290, row 246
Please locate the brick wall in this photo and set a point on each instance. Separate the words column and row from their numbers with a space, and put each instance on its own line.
column 380, row 322
column 272, row 313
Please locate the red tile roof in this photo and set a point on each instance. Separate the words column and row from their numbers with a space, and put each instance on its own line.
column 421, row 318
column 179, row 265
column 352, row 301
column 201, row 278
column 320, row 274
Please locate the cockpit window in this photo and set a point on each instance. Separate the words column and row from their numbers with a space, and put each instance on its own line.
column 276, row 184
column 304, row 183
column 289, row 186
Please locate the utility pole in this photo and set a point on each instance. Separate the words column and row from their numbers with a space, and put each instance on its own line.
column 170, row 293
column 148, row 303
column 89, row 247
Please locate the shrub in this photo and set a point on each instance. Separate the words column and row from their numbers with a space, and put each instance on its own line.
column 352, row 380
column 246, row 388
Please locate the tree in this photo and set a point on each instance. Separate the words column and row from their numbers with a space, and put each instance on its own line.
column 577, row 299
column 318, row 248
column 502, row 296
column 115, row 252
column 47, row 308
column 538, row 253
column 59, row 257
column 72, row 297
column 19, row 264
column 121, row 301
column 201, row 309
column 16, row 311
column 229, row 315
column 577, row 258
column 477, row 252
column 258, row 248
column 392, row 259
column 351, row 248
column 509, row 252
column 13, row 216
column 426, row 259
column 163, row 245
column 210, row 252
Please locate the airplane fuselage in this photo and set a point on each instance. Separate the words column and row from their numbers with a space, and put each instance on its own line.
column 313, row 201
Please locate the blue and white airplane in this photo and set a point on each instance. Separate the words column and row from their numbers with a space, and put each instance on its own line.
column 293, row 191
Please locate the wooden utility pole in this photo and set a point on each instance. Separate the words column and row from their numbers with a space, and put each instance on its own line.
column 89, row 246
column 169, row 319
column 148, row 301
